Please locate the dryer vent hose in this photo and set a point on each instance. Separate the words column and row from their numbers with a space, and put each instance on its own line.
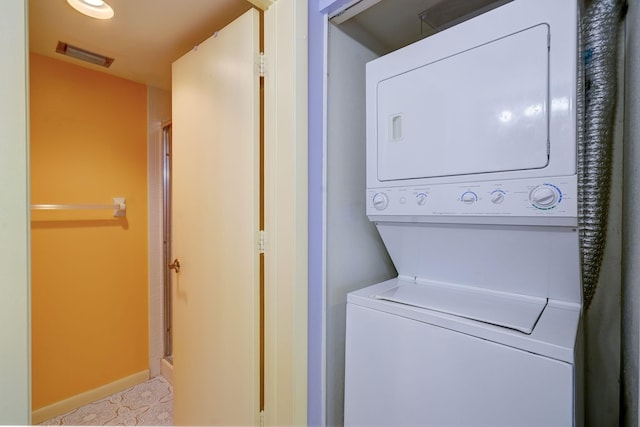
column 599, row 37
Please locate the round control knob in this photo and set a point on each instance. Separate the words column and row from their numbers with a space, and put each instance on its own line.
column 468, row 197
column 380, row 201
column 421, row 199
column 497, row 197
column 544, row 196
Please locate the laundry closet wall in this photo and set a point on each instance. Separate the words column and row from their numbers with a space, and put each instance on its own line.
column 89, row 269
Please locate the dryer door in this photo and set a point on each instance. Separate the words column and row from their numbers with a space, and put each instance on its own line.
column 482, row 110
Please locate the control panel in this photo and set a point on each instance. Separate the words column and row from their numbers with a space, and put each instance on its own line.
column 555, row 197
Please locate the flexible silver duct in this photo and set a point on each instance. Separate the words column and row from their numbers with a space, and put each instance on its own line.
column 599, row 35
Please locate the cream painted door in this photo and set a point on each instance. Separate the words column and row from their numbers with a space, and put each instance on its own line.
column 215, row 102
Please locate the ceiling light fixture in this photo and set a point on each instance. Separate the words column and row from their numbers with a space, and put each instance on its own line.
column 94, row 8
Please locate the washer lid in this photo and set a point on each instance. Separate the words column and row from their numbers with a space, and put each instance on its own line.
column 514, row 311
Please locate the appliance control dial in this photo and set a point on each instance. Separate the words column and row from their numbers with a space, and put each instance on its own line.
column 497, row 197
column 421, row 199
column 380, row 201
column 545, row 196
column 469, row 197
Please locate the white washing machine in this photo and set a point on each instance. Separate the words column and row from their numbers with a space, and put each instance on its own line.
column 431, row 353
column 471, row 181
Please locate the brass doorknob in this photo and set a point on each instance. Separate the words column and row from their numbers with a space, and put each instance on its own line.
column 175, row 265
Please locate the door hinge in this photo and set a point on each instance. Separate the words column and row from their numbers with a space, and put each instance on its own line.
column 261, row 242
column 261, row 418
column 261, row 66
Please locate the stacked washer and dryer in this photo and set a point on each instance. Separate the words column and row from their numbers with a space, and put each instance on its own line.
column 471, row 182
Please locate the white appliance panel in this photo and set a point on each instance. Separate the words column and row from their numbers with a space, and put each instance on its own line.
column 491, row 117
column 402, row 372
column 536, row 261
column 549, row 200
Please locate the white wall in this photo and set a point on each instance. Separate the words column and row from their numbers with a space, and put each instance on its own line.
column 158, row 111
column 15, row 352
column 355, row 254
column 631, row 221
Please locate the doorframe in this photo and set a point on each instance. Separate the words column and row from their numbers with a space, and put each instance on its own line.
column 286, row 213
column 15, row 301
column 167, row 306
column 158, row 114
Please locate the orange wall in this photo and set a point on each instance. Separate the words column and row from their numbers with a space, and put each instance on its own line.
column 89, row 270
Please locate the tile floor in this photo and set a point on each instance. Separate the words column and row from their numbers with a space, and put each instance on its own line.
column 146, row 404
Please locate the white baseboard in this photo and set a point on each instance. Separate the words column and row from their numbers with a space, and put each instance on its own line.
column 73, row 402
column 166, row 370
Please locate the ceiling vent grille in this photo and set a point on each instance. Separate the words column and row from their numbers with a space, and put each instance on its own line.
column 83, row 55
